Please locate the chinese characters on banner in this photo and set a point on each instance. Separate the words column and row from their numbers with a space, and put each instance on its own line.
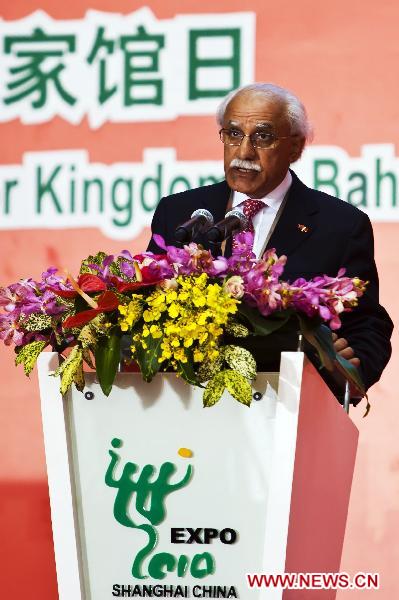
column 113, row 68
column 122, row 68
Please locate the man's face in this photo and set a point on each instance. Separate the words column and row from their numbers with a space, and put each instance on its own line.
column 251, row 113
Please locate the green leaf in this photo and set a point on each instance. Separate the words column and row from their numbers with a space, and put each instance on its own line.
column 241, row 360
column 68, row 369
column 187, row 372
column 320, row 336
column 107, row 357
column 350, row 373
column 238, row 386
column 28, row 355
column 368, row 406
column 147, row 358
column 214, row 390
column 264, row 325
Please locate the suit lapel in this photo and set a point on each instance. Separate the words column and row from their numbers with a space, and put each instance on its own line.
column 216, row 201
column 297, row 221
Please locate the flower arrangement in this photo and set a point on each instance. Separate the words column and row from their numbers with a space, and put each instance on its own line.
column 176, row 308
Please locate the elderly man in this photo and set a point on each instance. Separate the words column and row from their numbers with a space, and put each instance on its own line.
column 264, row 129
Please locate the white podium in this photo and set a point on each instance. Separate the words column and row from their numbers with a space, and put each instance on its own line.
column 265, row 490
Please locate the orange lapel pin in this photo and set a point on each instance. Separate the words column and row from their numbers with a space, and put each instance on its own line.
column 302, row 228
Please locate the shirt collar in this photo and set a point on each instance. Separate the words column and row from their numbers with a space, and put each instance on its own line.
column 273, row 199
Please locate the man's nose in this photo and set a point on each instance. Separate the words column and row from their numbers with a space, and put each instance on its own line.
column 246, row 151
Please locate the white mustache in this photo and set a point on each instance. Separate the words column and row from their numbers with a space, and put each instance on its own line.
column 244, row 164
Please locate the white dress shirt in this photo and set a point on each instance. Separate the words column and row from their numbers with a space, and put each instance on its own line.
column 263, row 220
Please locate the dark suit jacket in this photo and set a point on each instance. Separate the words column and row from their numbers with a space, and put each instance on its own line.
column 338, row 235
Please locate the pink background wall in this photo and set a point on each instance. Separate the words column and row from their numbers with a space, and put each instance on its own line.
column 341, row 59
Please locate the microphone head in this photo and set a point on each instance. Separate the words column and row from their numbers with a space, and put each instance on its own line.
column 202, row 212
column 200, row 221
column 182, row 235
column 244, row 221
column 234, row 221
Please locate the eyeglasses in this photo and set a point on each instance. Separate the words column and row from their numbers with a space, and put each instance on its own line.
column 259, row 139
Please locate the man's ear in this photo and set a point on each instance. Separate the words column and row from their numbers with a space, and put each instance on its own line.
column 298, row 144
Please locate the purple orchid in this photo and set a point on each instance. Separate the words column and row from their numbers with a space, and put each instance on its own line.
column 50, row 279
column 9, row 330
column 256, row 282
column 8, row 298
column 192, row 259
column 243, row 243
column 14, row 295
column 155, row 270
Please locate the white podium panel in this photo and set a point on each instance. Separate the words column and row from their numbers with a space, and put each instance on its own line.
column 152, row 494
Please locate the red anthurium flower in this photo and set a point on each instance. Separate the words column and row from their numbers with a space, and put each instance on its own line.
column 91, row 283
column 63, row 293
column 107, row 302
column 123, row 286
column 88, row 283
column 148, row 275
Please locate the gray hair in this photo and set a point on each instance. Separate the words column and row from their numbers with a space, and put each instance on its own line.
column 296, row 112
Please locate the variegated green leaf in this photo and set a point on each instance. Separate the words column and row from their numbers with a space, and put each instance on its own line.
column 70, row 372
column 65, row 302
column 237, row 329
column 60, row 367
column 214, row 389
column 79, row 378
column 97, row 259
column 88, row 336
column 208, row 369
column 28, row 355
column 87, row 358
column 59, row 338
column 241, row 360
column 238, row 386
column 68, row 368
column 115, row 268
column 123, row 299
column 100, row 324
column 37, row 322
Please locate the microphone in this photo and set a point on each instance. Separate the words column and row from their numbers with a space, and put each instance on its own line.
column 233, row 222
column 201, row 219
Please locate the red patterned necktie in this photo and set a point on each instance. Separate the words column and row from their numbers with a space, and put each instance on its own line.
column 250, row 208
